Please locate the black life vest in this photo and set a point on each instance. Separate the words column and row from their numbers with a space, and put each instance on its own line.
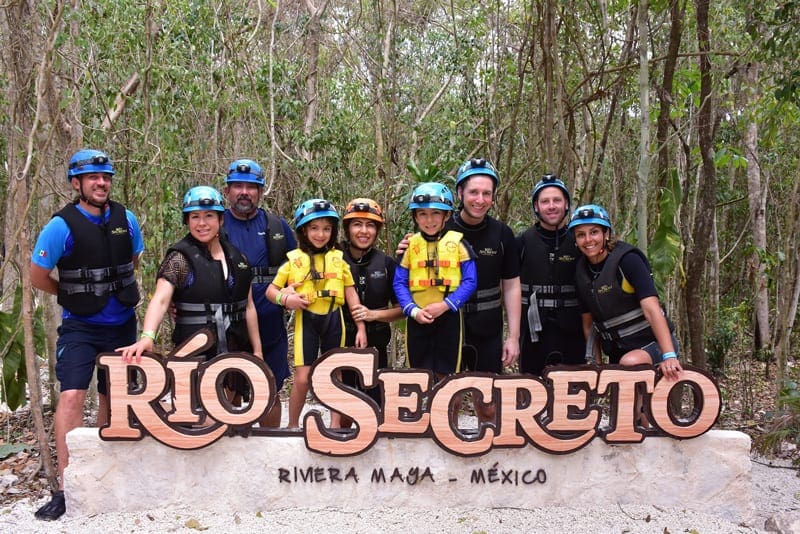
column 549, row 273
column 372, row 283
column 208, row 302
column 486, row 241
column 101, row 262
column 276, row 246
column 618, row 316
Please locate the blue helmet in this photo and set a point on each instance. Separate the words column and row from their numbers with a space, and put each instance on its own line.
column 316, row 208
column 87, row 161
column 202, row 197
column 431, row 195
column 590, row 214
column 476, row 166
column 245, row 170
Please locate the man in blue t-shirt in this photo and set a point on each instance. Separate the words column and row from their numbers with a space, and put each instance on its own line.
column 264, row 238
column 95, row 243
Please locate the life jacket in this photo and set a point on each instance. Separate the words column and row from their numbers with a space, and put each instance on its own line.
column 275, row 242
column 328, row 284
column 617, row 314
column 548, row 274
column 101, row 262
column 208, row 301
column 443, row 271
column 487, row 242
column 373, row 283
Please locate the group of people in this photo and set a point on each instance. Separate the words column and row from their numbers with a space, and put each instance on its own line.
column 238, row 269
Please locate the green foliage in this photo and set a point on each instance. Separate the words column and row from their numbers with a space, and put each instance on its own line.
column 431, row 173
column 12, row 352
column 723, row 337
column 784, row 424
column 665, row 248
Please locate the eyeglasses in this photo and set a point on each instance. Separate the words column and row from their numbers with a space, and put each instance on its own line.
column 244, row 168
column 94, row 160
column 427, row 197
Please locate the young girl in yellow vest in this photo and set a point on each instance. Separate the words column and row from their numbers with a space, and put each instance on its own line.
column 315, row 282
column 434, row 279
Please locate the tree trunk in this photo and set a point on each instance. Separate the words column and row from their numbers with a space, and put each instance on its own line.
column 311, row 48
column 756, row 194
column 787, row 293
column 27, row 60
column 706, row 196
column 644, row 129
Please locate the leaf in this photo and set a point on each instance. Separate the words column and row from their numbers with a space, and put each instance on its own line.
column 195, row 524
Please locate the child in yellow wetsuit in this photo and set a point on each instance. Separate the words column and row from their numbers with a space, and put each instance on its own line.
column 315, row 281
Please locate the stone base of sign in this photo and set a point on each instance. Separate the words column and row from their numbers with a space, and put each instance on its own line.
column 710, row 473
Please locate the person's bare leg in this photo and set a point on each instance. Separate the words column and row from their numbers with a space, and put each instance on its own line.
column 69, row 415
column 298, row 397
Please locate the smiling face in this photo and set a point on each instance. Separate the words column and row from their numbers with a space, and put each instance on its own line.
column 477, row 196
column 551, row 206
column 361, row 233
column 430, row 221
column 318, row 232
column 94, row 188
column 204, row 225
column 591, row 240
column 243, row 198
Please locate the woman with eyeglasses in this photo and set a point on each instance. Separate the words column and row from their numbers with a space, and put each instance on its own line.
column 315, row 282
column 618, row 297
column 373, row 272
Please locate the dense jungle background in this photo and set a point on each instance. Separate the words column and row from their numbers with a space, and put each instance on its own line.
column 680, row 117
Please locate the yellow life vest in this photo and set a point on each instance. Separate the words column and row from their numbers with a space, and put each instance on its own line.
column 327, row 284
column 443, row 271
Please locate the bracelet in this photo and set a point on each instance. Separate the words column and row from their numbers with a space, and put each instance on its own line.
column 414, row 313
column 149, row 333
column 668, row 355
column 278, row 297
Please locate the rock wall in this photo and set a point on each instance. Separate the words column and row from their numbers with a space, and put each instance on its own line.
column 710, row 473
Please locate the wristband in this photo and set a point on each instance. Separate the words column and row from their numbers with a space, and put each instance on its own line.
column 149, row 333
column 414, row 313
column 668, row 355
column 278, row 297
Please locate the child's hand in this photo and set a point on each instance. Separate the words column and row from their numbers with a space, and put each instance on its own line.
column 436, row 309
column 422, row 316
column 295, row 301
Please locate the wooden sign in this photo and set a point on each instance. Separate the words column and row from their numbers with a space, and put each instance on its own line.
column 182, row 403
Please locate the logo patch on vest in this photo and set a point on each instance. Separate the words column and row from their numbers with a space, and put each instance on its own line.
column 278, row 236
column 488, row 251
column 566, row 258
column 119, row 231
column 242, row 265
column 604, row 289
column 377, row 274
